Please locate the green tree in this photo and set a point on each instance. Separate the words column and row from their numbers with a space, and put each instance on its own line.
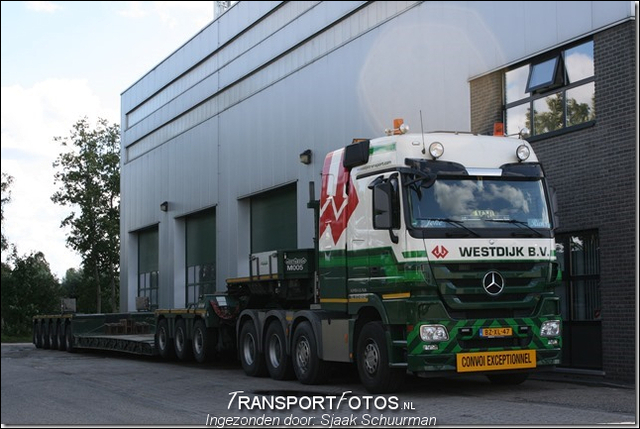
column 89, row 178
column 27, row 290
column 76, row 285
column 6, row 198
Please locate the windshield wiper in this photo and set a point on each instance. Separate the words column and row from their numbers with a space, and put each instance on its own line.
column 516, row 222
column 457, row 223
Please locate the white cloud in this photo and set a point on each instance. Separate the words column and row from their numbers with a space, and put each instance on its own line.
column 31, row 118
column 173, row 14
column 42, row 6
column 134, row 10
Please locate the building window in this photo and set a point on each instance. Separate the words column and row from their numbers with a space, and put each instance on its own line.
column 148, row 266
column 551, row 93
column 579, row 259
column 201, row 255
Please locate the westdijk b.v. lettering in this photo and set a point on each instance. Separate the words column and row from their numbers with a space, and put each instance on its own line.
column 479, row 252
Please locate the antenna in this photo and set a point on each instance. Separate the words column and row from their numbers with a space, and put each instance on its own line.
column 424, row 150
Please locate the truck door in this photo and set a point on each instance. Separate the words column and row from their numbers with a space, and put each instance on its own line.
column 335, row 211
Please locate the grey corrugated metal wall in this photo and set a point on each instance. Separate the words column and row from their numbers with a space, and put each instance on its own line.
column 228, row 113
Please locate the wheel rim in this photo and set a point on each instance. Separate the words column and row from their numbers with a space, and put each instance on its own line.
column 275, row 351
column 371, row 358
column 249, row 348
column 198, row 341
column 303, row 354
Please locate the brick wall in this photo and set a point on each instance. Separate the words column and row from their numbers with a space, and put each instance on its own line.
column 595, row 173
column 486, row 103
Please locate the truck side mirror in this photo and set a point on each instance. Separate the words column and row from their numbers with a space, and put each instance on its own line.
column 386, row 203
column 382, row 206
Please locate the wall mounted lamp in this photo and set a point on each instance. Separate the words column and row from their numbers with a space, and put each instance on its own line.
column 164, row 206
column 305, row 157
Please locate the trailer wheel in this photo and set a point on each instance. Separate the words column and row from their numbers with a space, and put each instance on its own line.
column 62, row 343
column 53, row 335
column 44, row 334
column 37, row 336
column 277, row 360
column 373, row 361
column 164, row 345
column 252, row 360
column 182, row 344
column 204, row 342
column 68, row 338
column 508, row 379
column 308, row 367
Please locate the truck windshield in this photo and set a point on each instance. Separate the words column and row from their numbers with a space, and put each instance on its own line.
column 478, row 202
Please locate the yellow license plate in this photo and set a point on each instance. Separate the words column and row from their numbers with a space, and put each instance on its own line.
column 494, row 361
column 496, row 332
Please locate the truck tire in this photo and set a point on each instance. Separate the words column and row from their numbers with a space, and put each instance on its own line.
column 276, row 357
column 163, row 342
column 37, row 335
column 373, row 361
column 44, row 334
column 308, row 367
column 251, row 359
column 204, row 342
column 53, row 336
column 512, row 379
column 68, row 339
column 182, row 344
column 62, row 343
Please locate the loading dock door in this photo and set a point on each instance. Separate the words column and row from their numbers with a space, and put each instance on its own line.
column 274, row 220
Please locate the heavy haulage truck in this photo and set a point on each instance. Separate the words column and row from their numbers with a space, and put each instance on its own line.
column 434, row 254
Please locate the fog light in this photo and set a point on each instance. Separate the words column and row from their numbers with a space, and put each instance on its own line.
column 434, row 333
column 550, row 328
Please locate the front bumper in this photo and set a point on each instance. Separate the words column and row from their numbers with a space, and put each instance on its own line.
column 518, row 345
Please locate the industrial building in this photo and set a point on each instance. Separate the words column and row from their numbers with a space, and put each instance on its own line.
column 220, row 140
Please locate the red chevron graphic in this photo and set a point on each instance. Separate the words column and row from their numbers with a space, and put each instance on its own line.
column 336, row 206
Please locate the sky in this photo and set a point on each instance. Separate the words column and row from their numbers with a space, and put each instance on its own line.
column 62, row 61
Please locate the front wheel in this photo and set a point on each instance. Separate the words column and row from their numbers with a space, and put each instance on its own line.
column 373, row 361
column 308, row 367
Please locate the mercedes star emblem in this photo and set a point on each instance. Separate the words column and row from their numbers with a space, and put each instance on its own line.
column 493, row 283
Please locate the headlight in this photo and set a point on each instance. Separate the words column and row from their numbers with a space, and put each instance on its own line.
column 433, row 333
column 436, row 150
column 523, row 152
column 550, row 328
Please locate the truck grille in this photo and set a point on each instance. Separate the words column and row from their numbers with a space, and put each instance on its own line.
column 460, row 286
